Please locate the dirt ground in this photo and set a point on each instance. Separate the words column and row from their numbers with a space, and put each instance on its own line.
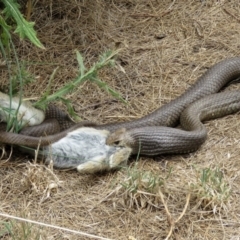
column 165, row 46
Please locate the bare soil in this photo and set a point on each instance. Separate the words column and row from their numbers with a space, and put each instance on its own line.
column 165, row 46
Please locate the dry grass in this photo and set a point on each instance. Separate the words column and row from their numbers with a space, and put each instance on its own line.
column 165, row 46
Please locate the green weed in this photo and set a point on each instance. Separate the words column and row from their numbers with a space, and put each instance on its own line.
column 19, row 231
column 211, row 189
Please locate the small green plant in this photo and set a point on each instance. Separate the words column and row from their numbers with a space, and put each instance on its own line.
column 19, row 231
column 137, row 180
column 25, row 77
column 12, row 121
column 140, row 189
column 105, row 60
column 211, row 188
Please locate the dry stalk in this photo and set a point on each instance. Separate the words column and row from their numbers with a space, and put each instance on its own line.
column 170, row 219
column 231, row 14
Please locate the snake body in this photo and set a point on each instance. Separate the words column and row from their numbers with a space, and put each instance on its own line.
column 155, row 140
column 152, row 135
column 212, row 81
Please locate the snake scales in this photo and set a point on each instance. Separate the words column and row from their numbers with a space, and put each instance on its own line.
column 153, row 134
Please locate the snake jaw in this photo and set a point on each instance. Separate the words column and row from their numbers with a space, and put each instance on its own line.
column 119, row 138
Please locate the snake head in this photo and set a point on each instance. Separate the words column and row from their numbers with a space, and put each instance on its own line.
column 118, row 138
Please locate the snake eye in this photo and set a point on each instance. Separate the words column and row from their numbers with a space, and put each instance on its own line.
column 116, row 143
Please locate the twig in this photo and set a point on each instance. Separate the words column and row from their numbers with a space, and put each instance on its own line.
column 185, row 208
column 53, row 226
column 171, row 221
column 171, row 5
column 169, row 216
column 231, row 14
column 145, row 15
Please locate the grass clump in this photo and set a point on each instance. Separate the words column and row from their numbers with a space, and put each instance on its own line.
column 19, row 231
column 139, row 189
column 211, row 189
column 40, row 180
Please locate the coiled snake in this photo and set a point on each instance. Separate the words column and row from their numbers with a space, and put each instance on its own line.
column 153, row 134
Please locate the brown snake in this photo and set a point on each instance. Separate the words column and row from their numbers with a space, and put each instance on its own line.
column 152, row 135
